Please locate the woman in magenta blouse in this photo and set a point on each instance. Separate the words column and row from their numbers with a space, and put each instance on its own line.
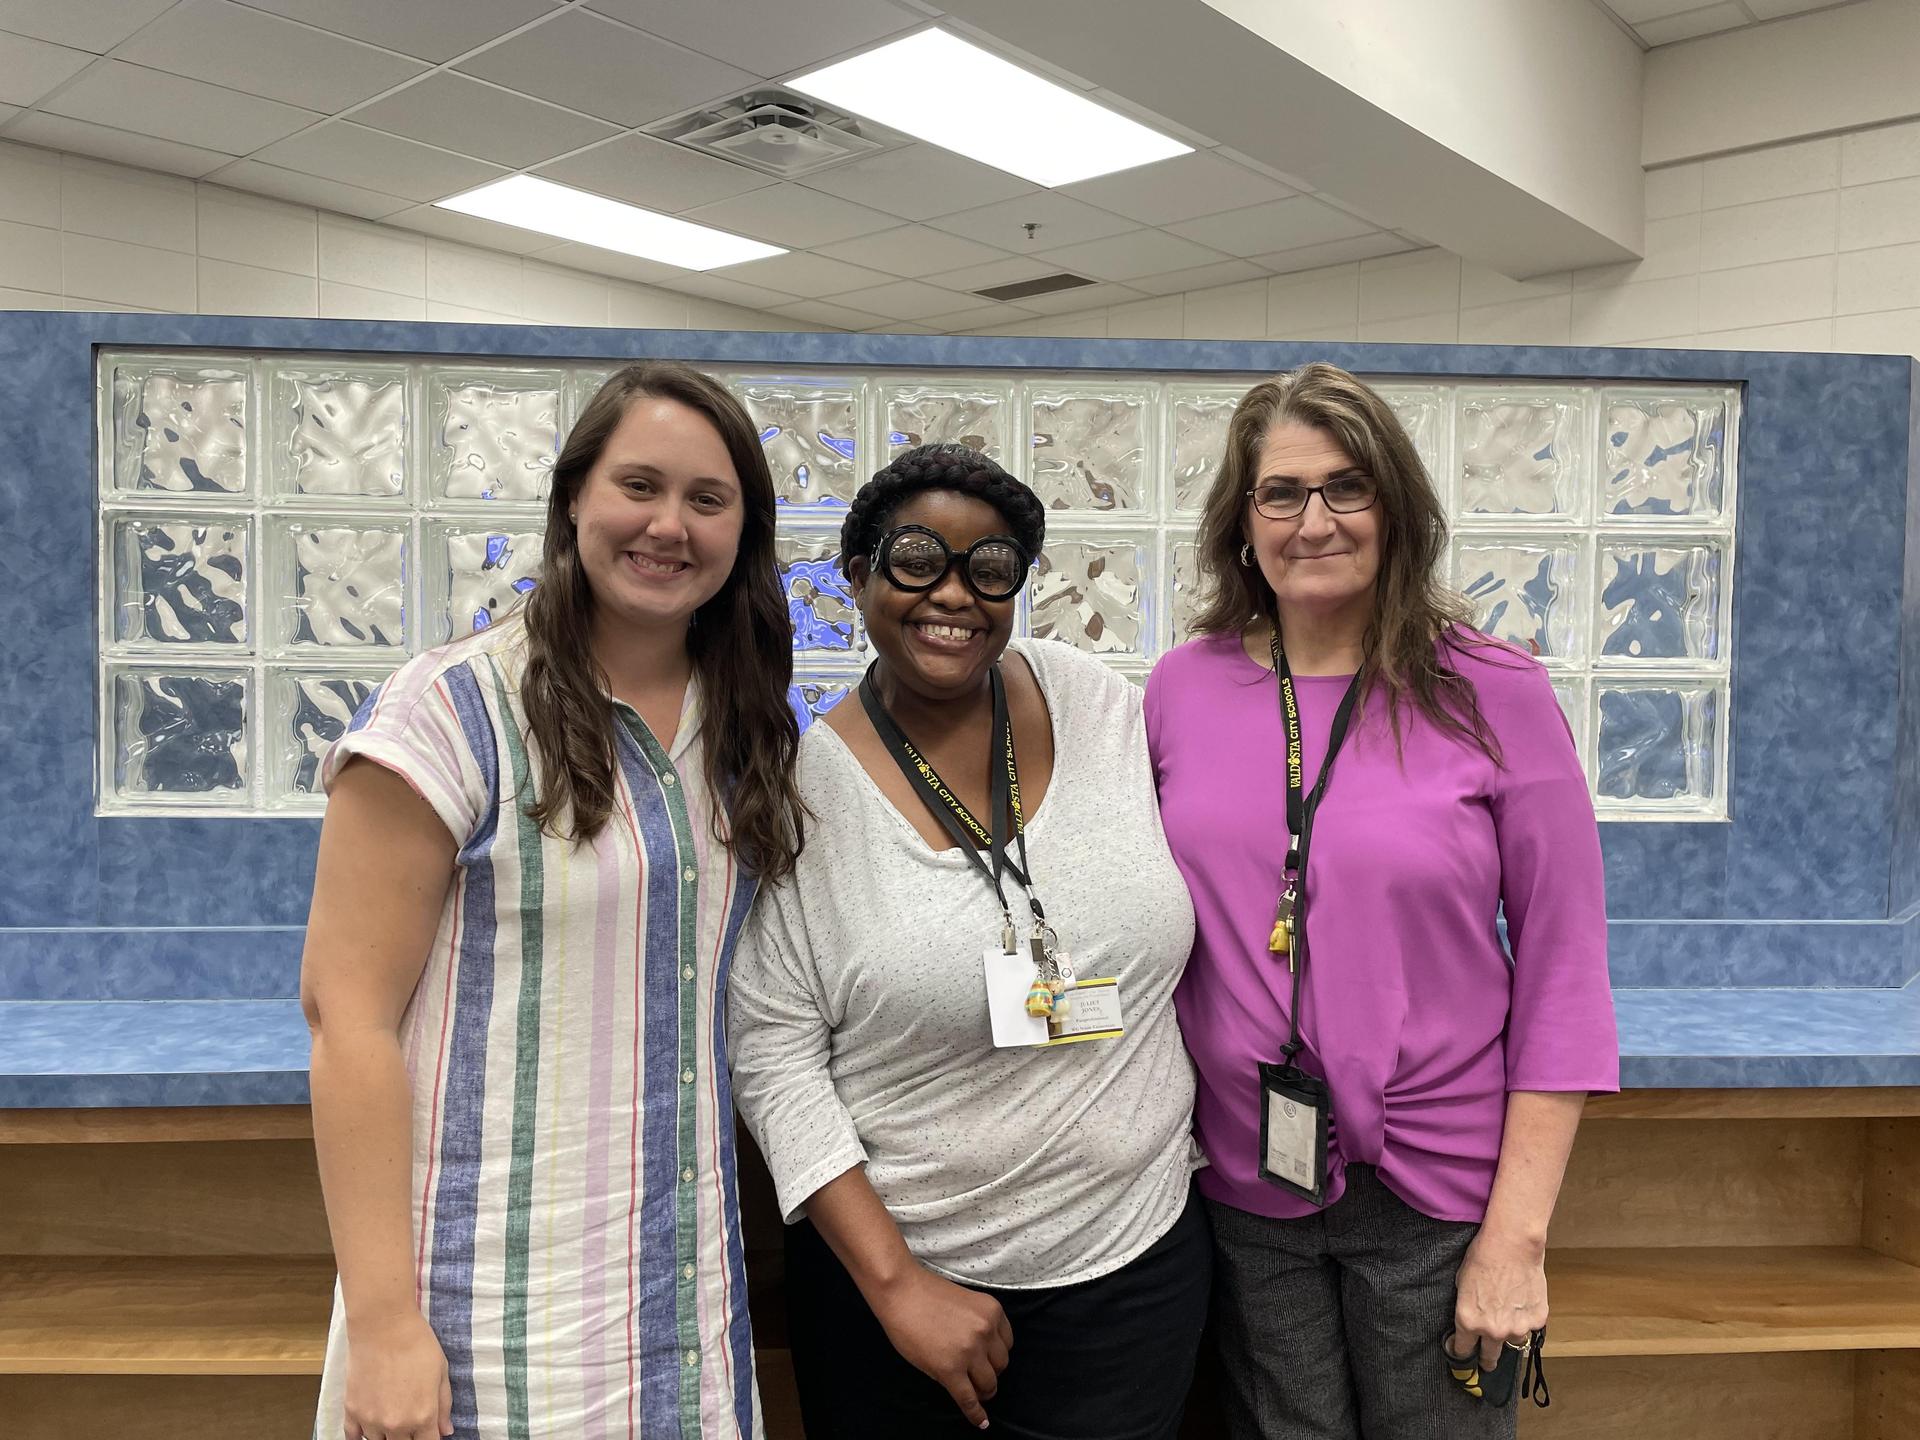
column 1384, row 1171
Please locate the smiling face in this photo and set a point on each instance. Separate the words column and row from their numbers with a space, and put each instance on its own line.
column 1317, row 562
column 659, row 516
column 938, row 643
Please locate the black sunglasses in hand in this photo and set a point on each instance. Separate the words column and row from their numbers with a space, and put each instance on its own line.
column 916, row 559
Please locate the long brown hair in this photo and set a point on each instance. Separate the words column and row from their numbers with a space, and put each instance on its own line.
column 1417, row 619
column 741, row 642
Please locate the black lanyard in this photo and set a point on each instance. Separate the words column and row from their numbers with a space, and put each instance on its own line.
column 1302, row 807
column 1003, row 795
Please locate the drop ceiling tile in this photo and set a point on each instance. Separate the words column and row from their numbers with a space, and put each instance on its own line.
column 431, row 32
column 1087, row 297
column 30, row 68
column 913, row 251
column 312, row 190
column 124, row 147
column 1178, row 189
column 655, row 174
column 1338, row 252
column 355, row 155
column 472, row 230
column 803, row 274
column 714, row 286
column 93, row 25
column 482, row 120
column 173, row 107
column 1205, row 277
column 7, row 112
column 1634, row 11
column 611, row 262
column 1062, row 221
column 791, row 215
column 825, row 312
column 977, row 317
column 579, row 60
column 780, row 39
column 901, row 327
column 1774, row 9
column 917, row 182
column 245, row 49
column 1138, row 252
column 1277, row 225
column 1010, row 271
column 907, row 300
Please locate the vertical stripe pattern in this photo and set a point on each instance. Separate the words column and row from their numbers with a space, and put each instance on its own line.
column 577, row 1235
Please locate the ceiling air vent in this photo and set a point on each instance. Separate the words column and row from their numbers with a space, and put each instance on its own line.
column 1045, row 285
column 775, row 132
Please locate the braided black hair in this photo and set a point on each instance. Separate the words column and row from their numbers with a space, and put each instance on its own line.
column 940, row 467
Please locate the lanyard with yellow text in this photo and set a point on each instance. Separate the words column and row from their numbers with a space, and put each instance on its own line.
column 1289, row 935
column 1003, row 794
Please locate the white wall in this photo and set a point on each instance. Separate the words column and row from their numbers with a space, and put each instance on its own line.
column 1808, row 246
column 82, row 234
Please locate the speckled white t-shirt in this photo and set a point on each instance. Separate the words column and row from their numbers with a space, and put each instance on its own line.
column 858, row 1022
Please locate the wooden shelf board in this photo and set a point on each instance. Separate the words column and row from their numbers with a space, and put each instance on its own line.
column 198, row 1315
column 1730, row 1301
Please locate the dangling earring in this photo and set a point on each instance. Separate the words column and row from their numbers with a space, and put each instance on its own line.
column 1246, row 556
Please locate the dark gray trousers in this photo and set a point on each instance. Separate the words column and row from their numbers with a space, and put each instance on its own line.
column 1329, row 1326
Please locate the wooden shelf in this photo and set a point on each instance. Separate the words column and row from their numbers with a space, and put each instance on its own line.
column 197, row 1315
column 1686, row 1301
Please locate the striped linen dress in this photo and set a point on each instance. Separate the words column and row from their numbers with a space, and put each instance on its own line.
column 576, row 1232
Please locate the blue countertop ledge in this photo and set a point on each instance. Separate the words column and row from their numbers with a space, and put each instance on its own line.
column 104, row 1053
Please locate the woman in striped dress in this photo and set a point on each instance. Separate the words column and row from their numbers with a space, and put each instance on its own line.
column 524, row 908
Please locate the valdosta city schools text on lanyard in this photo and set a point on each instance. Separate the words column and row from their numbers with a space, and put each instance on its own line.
column 1295, row 1105
column 1042, row 1012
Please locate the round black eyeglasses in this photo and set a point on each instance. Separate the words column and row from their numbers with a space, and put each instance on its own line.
column 1346, row 495
column 916, row 559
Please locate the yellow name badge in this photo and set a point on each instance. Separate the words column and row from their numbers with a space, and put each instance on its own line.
column 1092, row 1014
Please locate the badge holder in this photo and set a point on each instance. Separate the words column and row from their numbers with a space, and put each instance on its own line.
column 1293, row 1130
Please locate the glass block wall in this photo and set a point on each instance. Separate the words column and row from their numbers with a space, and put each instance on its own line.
column 278, row 532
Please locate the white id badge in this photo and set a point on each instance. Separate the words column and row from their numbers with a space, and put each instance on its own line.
column 1009, row 978
column 1293, row 1131
column 1093, row 1013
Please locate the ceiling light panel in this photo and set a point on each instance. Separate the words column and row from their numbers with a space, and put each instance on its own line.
column 535, row 204
column 1031, row 127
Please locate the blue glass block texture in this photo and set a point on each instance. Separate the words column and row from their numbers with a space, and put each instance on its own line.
column 1665, row 455
column 1656, row 743
column 1520, row 454
column 977, row 415
column 179, row 428
column 1197, row 435
column 344, row 583
column 1185, row 587
column 181, row 581
column 338, row 432
column 180, row 736
column 310, row 710
column 495, row 433
column 807, row 429
column 1089, row 447
column 480, row 576
column 1524, row 592
column 812, row 698
column 1092, row 594
column 1572, row 695
column 819, row 598
column 1660, row 602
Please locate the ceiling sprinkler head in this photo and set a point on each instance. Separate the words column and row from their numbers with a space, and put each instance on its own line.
column 1032, row 227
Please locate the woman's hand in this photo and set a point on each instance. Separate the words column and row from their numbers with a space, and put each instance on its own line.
column 397, row 1385
column 957, row 1336
column 1500, row 1295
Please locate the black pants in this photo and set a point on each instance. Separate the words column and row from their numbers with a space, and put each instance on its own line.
column 1109, row 1359
column 1329, row 1326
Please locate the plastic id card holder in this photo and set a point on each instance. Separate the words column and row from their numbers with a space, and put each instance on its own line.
column 1293, row 1131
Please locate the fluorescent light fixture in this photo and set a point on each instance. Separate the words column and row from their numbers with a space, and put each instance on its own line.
column 540, row 205
column 938, row 88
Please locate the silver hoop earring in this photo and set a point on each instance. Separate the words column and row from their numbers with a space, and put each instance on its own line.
column 1246, row 556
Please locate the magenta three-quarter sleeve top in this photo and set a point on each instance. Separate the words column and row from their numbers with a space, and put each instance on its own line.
column 1411, row 1009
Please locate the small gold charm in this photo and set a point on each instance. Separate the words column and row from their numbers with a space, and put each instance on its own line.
column 1280, row 942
